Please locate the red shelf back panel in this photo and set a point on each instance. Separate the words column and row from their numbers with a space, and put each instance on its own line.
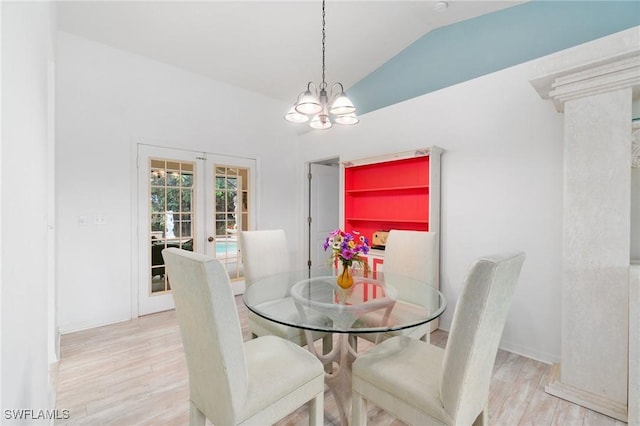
column 367, row 228
column 410, row 171
column 398, row 205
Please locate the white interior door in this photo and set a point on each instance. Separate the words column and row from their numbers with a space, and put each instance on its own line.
column 324, row 193
column 194, row 201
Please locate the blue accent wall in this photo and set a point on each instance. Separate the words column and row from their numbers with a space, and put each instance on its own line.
column 488, row 43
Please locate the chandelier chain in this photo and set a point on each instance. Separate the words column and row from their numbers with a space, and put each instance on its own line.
column 323, row 85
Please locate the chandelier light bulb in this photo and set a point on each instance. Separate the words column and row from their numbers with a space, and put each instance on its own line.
column 320, row 122
column 342, row 105
column 308, row 104
column 294, row 116
column 347, row 119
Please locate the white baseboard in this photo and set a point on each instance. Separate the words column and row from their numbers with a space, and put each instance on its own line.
column 72, row 328
column 586, row 399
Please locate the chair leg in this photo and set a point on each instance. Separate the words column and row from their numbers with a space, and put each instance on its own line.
column 358, row 410
column 316, row 410
column 196, row 417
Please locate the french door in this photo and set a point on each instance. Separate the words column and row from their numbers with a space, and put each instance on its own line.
column 193, row 201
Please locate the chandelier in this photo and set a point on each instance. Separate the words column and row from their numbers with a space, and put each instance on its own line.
column 321, row 108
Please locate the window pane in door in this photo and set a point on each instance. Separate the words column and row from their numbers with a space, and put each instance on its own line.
column 231, row 215
column 171, row 189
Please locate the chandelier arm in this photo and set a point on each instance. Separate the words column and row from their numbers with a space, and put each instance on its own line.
column 332, row 94
column 315, row 87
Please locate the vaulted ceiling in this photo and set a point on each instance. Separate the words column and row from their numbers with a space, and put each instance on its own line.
column 271, row 47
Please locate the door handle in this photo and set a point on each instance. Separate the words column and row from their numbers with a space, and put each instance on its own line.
column 210, row 239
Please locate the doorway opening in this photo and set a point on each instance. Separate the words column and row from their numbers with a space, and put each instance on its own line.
column 323, row 207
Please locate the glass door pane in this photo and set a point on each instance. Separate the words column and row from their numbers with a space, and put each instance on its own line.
column 171, row 198
column 231, row 215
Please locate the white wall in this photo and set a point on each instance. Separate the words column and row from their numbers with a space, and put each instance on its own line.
column 107, row 100
column 501, row 186
column 28, row 30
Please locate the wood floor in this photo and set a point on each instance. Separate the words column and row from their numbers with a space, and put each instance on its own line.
column 134, row 373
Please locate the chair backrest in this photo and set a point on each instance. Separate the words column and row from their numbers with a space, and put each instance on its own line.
column 413, row 254
column 476, row 329
column 211, row 333
column 264, row 253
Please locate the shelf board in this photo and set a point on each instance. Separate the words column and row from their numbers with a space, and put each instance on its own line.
column 361, row 219
column 395, row 188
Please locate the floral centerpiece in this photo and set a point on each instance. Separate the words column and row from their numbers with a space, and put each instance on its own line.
column 348, row 249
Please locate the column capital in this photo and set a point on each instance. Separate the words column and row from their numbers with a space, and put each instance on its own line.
column 610, row 64
column 616, row 74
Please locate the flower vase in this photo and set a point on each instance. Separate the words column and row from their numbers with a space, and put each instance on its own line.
column 345, row 282
column 345, row 279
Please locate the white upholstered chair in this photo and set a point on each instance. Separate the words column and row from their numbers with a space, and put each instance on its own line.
column 265, row 253
column 413, row 254
column 422, row 384
column 231, row 382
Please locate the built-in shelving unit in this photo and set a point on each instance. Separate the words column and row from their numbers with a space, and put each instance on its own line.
column 397, row 191
column 400, row 191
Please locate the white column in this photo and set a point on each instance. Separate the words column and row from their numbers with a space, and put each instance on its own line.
column 634, row 290
column 634, row 346
column 596, row 99
column 596, row 252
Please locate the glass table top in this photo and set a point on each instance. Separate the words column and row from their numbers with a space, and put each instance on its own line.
column 312, row 300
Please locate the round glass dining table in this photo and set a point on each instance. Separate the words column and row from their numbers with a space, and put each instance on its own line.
column 311, row 300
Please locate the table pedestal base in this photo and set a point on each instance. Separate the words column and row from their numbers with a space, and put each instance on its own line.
column 338, row 372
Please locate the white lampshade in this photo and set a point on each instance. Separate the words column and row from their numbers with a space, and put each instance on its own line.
column 308, row 104
column 342, row 105
column 347, row 119
column 320, row 122
column 294, row 116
